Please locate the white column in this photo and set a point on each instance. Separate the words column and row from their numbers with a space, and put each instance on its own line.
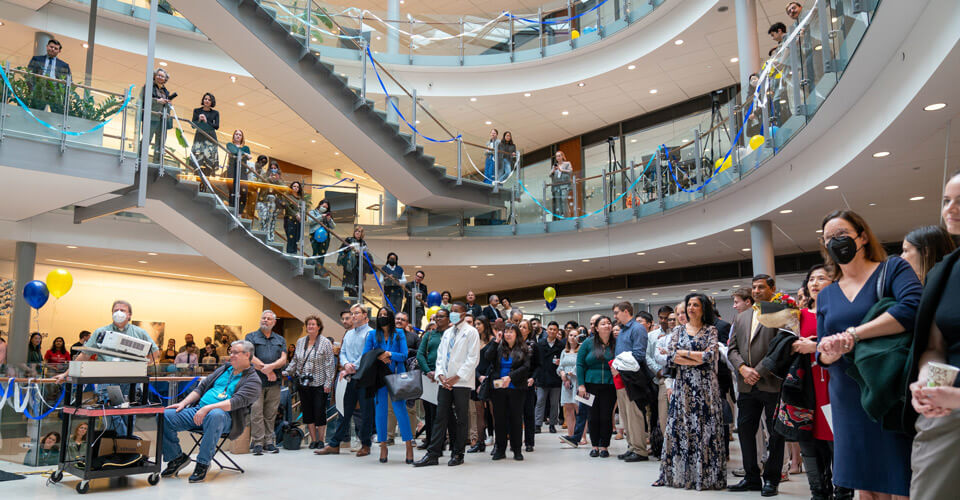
column 748, row 43
column 393, row 36
column 761, row 247
column 25, row 259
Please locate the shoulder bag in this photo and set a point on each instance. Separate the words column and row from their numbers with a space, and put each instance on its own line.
column 405, row 386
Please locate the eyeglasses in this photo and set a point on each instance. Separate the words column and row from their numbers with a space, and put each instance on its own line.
column 839, row 234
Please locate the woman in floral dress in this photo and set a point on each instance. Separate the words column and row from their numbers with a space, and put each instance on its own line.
column 694, row 455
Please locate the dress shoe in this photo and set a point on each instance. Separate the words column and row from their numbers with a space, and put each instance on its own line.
column 769, row 489
column 383, row 453
column 477, row 448
column 529, row 448
column 594, row 453
column 364, row 451
column 745, row 485
column 636, row 458
column 199, row 473
column 604, row 454
column 553, row 429
column 739, row 472
column 427, row 459
column 499, row 456
column 257, row 450
column 455, row 461
column 536, row 430
column 569, row 441
column 328, row 450
column 625, row 455
column 174, row 466
column 517, row 456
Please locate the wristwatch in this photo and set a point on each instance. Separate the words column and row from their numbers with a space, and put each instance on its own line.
column 853, row 333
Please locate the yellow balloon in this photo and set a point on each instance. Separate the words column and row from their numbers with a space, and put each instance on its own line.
column 718, row 163
column 726, row 164
column 59, row 282
column 757, row 141
column 549, row 294
column 433, row 310
column 574, row 34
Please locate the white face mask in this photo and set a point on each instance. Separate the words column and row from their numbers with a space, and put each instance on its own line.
column 119, row 317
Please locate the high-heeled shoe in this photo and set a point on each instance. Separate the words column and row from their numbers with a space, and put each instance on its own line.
column 409, row 452
column 383, row 453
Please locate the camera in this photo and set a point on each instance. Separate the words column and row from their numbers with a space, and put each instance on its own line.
column 305, row 379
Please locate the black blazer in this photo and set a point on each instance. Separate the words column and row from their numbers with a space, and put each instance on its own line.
column 547, row 374
column 371, row 372
column 491, row 313
column 519, row 372
column 38, row 62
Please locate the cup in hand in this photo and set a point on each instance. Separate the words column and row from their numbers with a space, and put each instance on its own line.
column 941, row 375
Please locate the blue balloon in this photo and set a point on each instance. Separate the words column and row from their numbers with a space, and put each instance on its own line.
column 320, row 235
column 36, row 293
column 433, row 299
column 552, row 305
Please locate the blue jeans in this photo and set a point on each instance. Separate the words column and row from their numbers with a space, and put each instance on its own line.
column 399, row 409
column 583, row 414
column 488, row 169
column 115, row 422
column 216, row 423
column 351, row 396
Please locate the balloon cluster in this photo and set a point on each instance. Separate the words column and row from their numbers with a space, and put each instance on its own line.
column 36, row 292
column 433, row 303
column 550, row 296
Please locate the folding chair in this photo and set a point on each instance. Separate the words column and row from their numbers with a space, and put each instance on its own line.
column 197, row 435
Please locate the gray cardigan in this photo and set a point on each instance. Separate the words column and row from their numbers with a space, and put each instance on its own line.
column 246, row 393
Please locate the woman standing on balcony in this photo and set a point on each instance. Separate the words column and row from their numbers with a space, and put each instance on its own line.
column 489, row 167
column 350, row 261
column 207, row 121
column 560, row 176
column 508, row 155
column 291, row 215
column 238, row 152
column 320, row 216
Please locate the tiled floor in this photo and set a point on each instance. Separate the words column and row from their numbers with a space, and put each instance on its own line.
column 551, row 471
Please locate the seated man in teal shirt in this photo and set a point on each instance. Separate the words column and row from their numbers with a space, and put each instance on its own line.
column 219, row 403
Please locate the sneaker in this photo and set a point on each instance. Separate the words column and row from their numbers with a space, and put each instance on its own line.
column 567, row 440
column 257, row 450
column 174, row 466
column 271, row 448
column 739, row 472
column 354, row 445
column 199, row 473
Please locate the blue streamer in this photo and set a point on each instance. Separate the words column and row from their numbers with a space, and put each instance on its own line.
column 392, row 104
column 6, row 81
column 556, row 21
column 736, row 140
column 26, row 412
column 601, row 209
column 184, row 391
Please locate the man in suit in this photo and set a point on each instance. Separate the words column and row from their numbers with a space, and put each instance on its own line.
column 418, row 290
column 491, row 311
column 759, row 393
column 44, row 93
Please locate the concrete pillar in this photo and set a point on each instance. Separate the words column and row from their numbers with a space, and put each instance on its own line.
column 25, row 259
column 91, row 41
column 393, row 36
column 389, row 208
column 40, row 40
column 761, row 247
column 748, row 44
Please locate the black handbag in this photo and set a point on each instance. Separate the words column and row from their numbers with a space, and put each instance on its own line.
column 405, row 386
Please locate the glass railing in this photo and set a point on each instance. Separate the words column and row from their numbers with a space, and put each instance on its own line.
column 685, row 160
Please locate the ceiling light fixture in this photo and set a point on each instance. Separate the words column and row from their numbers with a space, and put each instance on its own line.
column 691, row 243
column 581, row 84
column 527, row 94
column 86, row 45
column 313, row 141
column 738, row 230
column 417, row 122
column 489, row 274
column 474, row 267
column 653, row 91
column 872, row 204
column 831, row 187
column 744, row 249
column 734, row 59
column 584, row 260
column 678, row 42
column 632, row 66
column 473, row 99
column 378, row 38
column 655, row 293
column 152, row 253
column 819, row 231
column 935, row 107
column 661, row 262
column 787, row 211
column 916, row 198
column 619, row 296
column 142, row 261
column 71, row 246
column 162, row 63
column 241, row 103
column 641, row 253
column 565, row 113
column 336, row 153
column 881, row 154
column 233, row 79
column 488, row 122
column 568, row 270
column 633, row 141
column 818, row 47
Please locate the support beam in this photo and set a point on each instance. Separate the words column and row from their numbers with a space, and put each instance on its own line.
column 748, row 43
column 761, row 247
column 147, row 106
column 25, row 260
column 112, row 206
column 91, row 39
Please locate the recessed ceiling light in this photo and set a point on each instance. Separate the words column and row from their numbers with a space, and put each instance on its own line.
column 693, row 289
column 568, row 270
column 417, row 122
column 71, row 246
column 488, row 122
column 736, row 286
column 313, row 39
column 527, row 94
column 241, row 103
column 655, row 293
column 1, row 23
column 418, row 267
column 738, row 230
column 653, row 91
column 916, row 198
column 474, row 267
column 86, row 45
column 619, row 296
column 596, row 303
column 565, row 113
column 744, row 249
column 581, row 84
column 678, row 42
column 881, row 154
column 734, row 59
column 787, row 211
column 831, row 187
column 691, row 243
column 313, row 141
column 641, row 253
column 585, row 260
column 473, row 99
column 152, row 253
column 569, row 307
column 378, row 38
column 572, row 301
column 489, row 274
column 935, row 107
column 336, row 153
column 684, row 140
column 142, row 261
column 714, row 293
column 633, row 140
column 162, row 63
column 233, row 79
column 661, row 262
column 820, row 231
column 632, row 66
column 873, row 204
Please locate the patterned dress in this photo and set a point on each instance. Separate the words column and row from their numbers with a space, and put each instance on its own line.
column 694, row 455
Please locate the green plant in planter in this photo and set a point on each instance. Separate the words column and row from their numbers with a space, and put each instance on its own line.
column 317, row 19
column 88, row 109
column 37, row 93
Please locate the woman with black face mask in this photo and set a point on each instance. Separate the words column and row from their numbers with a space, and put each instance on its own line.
column 392, row 287
column 866, row 457
column 394, row 345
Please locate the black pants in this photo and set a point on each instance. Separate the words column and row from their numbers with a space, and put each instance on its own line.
column 429, row 417
column 508, row 409
column 351, row 396
column 601, row 414
column 818, row 461
column 529, row 414
column 313, row 404
column 453, row 416
column 751, row 405
column 291, row 226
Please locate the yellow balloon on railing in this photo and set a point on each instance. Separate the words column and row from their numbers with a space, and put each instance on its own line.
column 757, row 141
column 726, row 163
column 59, row 282
column 574, row 34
